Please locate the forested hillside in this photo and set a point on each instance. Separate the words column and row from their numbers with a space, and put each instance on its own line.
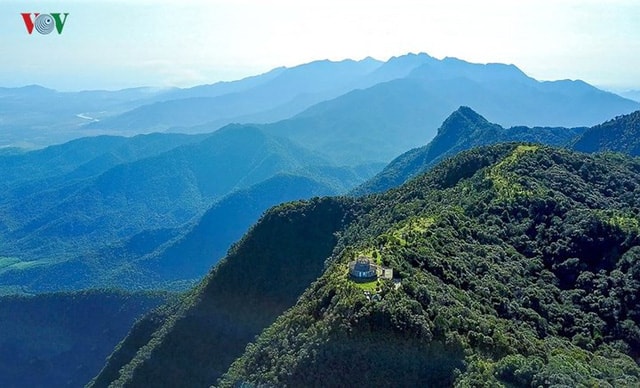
column 102, row 211
column 514, row 265
column 225, row 223
column 518, row 266
column 621, row 134
column 259, row 279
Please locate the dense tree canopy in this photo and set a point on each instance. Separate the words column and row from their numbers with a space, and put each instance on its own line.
column 518, row 266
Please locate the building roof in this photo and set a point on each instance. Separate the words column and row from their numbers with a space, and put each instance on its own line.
column 362, row 265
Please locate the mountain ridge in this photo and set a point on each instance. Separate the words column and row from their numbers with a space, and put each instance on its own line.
column 425, row 90
column 619, row 134
column 50, row 228
column 405, row 112
column 510, row 97
column 462, row 130
column 323, row 79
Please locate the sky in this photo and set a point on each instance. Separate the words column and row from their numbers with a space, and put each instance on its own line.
column 113, row 44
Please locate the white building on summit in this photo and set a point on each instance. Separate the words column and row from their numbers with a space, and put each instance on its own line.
column 362, row 268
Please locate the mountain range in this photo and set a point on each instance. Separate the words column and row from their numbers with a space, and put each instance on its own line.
column 276, row 94
column 390, row 107
column 350, row 97
column 69, row 209
column 52, row 242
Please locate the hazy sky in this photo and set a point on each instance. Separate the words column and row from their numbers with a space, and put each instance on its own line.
column 116, row 43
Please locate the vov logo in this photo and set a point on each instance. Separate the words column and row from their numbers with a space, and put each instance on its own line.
column 44, row 23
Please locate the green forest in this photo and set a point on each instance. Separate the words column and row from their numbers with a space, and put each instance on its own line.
column 528, row 275
column 515, row 265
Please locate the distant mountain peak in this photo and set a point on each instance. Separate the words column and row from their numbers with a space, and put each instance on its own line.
column 463, row 119
column 420, row 55
column 33, row 88
column 484, row 73
column 468, row 112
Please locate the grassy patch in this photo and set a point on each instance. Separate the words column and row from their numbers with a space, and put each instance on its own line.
column 415, row 225
column 625, row 223
column 506, row 182
column 367, row 286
